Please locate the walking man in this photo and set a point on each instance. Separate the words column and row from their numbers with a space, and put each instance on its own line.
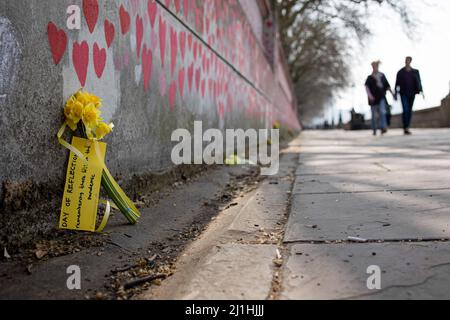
column 408, row 85
column 376, row 86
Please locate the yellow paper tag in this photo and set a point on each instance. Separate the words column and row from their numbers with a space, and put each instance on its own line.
column 82, row 190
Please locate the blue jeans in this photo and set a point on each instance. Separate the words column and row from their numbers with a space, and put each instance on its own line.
column 379, row 116
column 407, row 103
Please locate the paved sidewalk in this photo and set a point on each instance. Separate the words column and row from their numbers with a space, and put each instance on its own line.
column 392, row 193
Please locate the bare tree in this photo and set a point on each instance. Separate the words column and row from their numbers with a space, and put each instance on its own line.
column 318, row 37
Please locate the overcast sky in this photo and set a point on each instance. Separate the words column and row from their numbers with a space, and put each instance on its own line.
column 430, row 49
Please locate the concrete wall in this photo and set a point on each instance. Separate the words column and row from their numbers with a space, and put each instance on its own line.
column 438, row 117
column 158, row 65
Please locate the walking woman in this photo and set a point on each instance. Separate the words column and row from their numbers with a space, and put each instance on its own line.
column 376, row 86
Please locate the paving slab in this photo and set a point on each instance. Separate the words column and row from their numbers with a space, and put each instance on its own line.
column 267, row 206
column 371, row 215
column 220, row 276
column 387, row 188
column 339, row 271
column 363, row 182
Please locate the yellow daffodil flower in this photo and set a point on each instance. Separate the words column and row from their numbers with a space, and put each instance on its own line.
column 91, row 116
column 102, row 130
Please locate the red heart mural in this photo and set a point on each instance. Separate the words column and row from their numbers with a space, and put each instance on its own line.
column 80, row 58
column 99, row 60
column 204, row 63
column 139, row 34
column 181, row 79
column 183, row 44
column 210, row 85
column 173, row 50
column 186, row 8
column 125, row 20
column 147, row 63
column 177, row 5
column 162, row 39
column 190, row 41
column 172, row 95
column 91, row 12
column 190, row 75
column 152, row 9
column 110, row 33
column 195, row 50
column 221, row 110
column 197, row 79
column 57, row 40
column 203, row 88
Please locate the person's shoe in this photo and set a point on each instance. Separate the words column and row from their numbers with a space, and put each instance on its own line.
column 407, row 132
column 384, row 131
column 374, row 133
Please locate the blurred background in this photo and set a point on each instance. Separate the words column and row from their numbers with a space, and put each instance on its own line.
column 330, row 45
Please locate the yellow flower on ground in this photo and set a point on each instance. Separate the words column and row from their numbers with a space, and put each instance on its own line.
column 91, row 116
column 102, row 130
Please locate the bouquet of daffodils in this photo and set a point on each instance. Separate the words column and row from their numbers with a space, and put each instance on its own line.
column 83, row 115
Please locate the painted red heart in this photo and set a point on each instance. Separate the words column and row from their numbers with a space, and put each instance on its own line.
column 110, row 33
column 203, row 88
column 91, row 12
column 221, row 110
column 162, row 39
column 167, row 2
column 57, row 40
column 172, row 95
column 125, row 20
column 139, row 34
column 183, row 44
column 207, row 25
column 177, row 5
column 204, row 63
column 173, row 50
column 197, row 79
column 195, row 50
column 208, row 65
column 190, row 41
column 147, row 64
column 190, row 75
column 181, row 79
column 152, row 9
column 198, row 20
column 210, row 85
column 80, row 58
column 99, row 60
column 186, row 8
column 230, row 103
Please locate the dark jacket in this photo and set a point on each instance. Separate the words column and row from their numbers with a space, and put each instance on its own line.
column 409, row 82
column 379, row 93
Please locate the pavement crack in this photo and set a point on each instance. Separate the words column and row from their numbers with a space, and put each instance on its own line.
column 400, row 286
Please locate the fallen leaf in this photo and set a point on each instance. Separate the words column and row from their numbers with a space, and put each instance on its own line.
column 40, row 254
